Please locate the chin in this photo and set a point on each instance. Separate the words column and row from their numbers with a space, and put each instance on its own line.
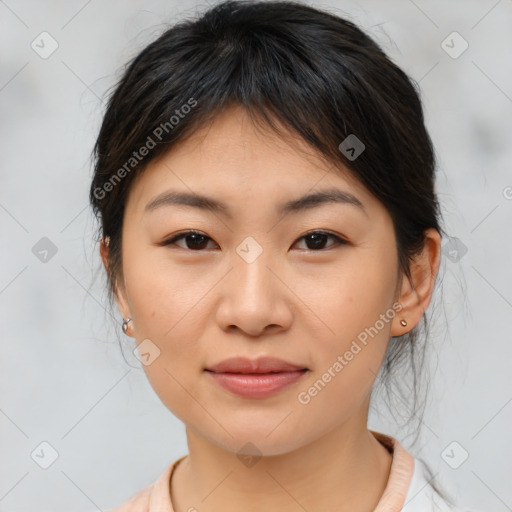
column 255, row 442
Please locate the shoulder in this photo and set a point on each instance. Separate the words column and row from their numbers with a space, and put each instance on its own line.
column 153, row 497
column 138, row 502
column 421, row 495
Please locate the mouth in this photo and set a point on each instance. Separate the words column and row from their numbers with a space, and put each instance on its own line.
column 255, row 378
column 262, row 365
column 256, row 385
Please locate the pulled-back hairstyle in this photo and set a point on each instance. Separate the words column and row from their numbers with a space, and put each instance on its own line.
column 317, row 73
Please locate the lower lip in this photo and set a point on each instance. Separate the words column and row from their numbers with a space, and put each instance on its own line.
column 256, row 385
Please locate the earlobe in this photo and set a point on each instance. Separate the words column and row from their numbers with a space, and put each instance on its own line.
column 126, row 325
column 120, row 295
column 416, row 291
column 124, row 308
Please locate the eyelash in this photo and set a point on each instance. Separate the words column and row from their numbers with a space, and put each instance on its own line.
column 173, row 240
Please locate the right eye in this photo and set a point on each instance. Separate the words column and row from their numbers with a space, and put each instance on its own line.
column 195, row 240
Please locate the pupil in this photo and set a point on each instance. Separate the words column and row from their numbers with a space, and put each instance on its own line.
column 195, row 242
column 317, row 242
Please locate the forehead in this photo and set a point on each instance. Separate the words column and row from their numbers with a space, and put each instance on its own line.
column 243, row 164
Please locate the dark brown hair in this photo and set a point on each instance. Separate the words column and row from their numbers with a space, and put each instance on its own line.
column 319, row 75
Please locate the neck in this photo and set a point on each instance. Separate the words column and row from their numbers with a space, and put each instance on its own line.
column 345, row 470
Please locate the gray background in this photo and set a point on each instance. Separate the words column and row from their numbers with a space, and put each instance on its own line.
column 63, row 376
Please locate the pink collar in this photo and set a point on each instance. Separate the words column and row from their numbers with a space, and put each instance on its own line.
column 392, row 500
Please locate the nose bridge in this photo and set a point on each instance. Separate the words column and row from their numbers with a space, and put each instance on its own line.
column 252, row 279
column 251, row 297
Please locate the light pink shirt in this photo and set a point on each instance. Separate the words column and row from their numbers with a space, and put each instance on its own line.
column 407, row 489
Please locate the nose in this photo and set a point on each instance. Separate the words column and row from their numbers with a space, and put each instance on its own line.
column 255, row 298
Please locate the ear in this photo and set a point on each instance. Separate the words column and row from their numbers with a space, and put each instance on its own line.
column 120, row 294
column 416, row 293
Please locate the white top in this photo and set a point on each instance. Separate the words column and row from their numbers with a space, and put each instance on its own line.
column 421, row 497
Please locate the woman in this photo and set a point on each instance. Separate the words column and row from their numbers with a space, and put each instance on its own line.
column 264, row 184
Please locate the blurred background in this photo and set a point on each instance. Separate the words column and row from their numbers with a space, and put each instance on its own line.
column 80, row 427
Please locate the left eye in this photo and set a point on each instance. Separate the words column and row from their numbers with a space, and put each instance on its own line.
column 197, row 241
column 317, row 239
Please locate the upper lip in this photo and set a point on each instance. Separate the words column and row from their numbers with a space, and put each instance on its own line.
column 260, row 365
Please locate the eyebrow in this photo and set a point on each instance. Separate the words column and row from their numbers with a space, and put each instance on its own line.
column 306, row 202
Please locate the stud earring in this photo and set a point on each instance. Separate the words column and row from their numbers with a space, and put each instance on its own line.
column 125, row 324
column 403, row 322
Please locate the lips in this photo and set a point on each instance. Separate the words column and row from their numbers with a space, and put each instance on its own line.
column 260, row 365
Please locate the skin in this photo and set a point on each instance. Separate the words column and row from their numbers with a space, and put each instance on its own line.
column 295, row 302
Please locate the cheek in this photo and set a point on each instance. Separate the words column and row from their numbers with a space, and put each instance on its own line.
column 352, row 295
column 172, row 323
column 167, row 309
column 162, row 295
column 352, row 320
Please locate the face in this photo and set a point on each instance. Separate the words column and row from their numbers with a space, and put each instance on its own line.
column 314, row 286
